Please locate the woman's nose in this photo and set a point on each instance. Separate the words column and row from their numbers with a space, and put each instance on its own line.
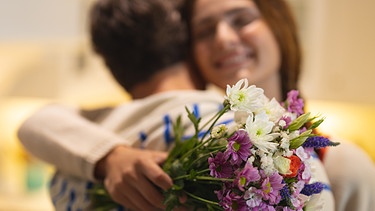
column 225, row 36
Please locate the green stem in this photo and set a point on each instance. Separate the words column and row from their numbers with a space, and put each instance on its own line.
column 214, row 119
column 188, row 153
column 188, row 175
column 214, row 150
column 202, row 199
column 204, row 178
column 214, row 179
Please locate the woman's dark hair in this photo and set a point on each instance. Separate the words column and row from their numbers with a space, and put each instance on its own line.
column 279, row 17
column 137, row 38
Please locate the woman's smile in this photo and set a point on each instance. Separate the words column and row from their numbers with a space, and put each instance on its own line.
column 234, row 60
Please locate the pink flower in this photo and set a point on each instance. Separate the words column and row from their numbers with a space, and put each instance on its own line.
column 238, row 147
column 246, row 175
column 233, row 202
column 287, row 120
column 271, row 186
column 219, row 167
column 295, row 104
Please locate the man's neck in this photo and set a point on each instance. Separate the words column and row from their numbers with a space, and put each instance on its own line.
column 175, row 77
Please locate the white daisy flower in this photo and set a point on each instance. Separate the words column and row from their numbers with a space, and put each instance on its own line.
column 273, row 109
column 259, row 131
column 219, row 131
column 243, row 97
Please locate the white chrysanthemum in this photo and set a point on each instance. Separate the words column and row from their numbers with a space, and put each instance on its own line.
column 285, row 140
column 219, row 131
column 251, row 160
column 259, row 131
column 273, row 109
column 243, row 97
column 266, row 163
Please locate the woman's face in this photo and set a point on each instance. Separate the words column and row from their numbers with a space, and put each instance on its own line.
column 232, row 41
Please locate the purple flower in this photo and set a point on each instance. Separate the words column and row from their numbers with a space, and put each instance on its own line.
column 227, row 186
column 284, row 192
column 270, row 187
column 264, row 207
column 295, row 104
column 238, row 147
column 318, row 142
column 304, row 173
column 313, row 188
column 219, row 167
column 280, row 208
column 233, row 202
column 287, row 120
column 246, row 175
column 285, row 196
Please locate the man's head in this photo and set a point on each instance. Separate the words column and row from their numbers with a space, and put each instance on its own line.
column 137, row 38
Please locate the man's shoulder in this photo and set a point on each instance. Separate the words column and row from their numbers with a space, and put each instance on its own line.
column 170, row 102
column 187, row 95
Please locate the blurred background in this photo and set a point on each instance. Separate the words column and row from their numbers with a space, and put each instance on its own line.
column 45, row 56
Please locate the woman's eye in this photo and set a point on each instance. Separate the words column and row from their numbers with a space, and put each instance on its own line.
column 204, row 31
column 240, row 20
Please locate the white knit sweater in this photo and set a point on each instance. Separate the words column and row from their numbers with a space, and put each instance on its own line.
column 60, row 136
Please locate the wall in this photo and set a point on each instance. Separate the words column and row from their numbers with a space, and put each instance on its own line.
column 40, row 19
column 339, row 49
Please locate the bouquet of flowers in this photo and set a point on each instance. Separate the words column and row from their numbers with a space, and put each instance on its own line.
column 261, row 162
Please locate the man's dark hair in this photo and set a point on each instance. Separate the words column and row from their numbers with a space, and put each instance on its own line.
column 137, row 38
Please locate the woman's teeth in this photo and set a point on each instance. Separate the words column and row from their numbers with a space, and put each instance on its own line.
column 234, row 60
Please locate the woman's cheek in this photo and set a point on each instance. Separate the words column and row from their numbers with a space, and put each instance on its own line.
column 201, row 55
column 251, row 32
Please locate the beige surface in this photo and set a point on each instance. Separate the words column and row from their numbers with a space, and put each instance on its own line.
column 23, row 179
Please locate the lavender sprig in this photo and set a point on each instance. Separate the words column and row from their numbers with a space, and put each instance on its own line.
column 318, row 142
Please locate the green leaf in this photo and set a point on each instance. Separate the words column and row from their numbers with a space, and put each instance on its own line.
column 298, row 141
column 290, row 180
column 178, row 130
column 194, row 120
column 192, row 174
column 176, row 150
column 299, row 122
column 316, row 124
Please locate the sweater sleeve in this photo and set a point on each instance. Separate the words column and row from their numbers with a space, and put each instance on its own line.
column 60, row 136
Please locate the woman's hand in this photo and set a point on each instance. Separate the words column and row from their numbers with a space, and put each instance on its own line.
column 133, row 177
